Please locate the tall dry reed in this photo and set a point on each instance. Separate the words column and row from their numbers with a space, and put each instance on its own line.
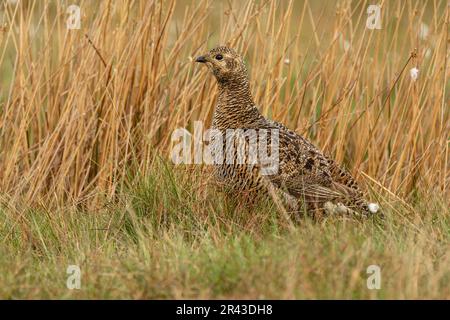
column 83, row 111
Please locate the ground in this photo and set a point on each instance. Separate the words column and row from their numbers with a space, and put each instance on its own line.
column 168, row 237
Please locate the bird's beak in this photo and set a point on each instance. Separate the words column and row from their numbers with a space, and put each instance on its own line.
column 201, row 59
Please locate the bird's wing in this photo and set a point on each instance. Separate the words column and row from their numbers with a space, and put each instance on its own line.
column 306, row 171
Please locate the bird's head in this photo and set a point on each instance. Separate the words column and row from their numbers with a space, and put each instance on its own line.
column 225, row 64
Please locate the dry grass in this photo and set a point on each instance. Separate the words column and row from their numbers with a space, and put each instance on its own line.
column 83, row 114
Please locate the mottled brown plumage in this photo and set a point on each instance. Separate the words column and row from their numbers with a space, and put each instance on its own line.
column 305, row 173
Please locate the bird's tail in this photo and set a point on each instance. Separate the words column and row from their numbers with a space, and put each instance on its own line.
column 354, row 200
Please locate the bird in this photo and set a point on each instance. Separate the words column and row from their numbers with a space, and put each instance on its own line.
column 304, row 174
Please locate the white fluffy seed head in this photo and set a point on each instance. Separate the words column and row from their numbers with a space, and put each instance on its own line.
column 414, row 73
column 373, row 207
column 329, row 207
column 341, row 209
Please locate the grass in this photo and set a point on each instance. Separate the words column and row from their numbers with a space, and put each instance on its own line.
column 174, row 238
column 86, row 118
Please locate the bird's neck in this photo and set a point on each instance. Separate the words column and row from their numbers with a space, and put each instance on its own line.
column 235, row 106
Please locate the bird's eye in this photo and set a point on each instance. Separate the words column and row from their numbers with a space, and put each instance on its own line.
column 219, row 57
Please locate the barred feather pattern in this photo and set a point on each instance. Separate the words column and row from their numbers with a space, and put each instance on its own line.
column 304, row 172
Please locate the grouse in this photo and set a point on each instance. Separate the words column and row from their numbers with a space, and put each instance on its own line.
column 304, row 175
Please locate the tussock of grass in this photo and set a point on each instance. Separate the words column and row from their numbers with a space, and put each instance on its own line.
column 159, row 241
